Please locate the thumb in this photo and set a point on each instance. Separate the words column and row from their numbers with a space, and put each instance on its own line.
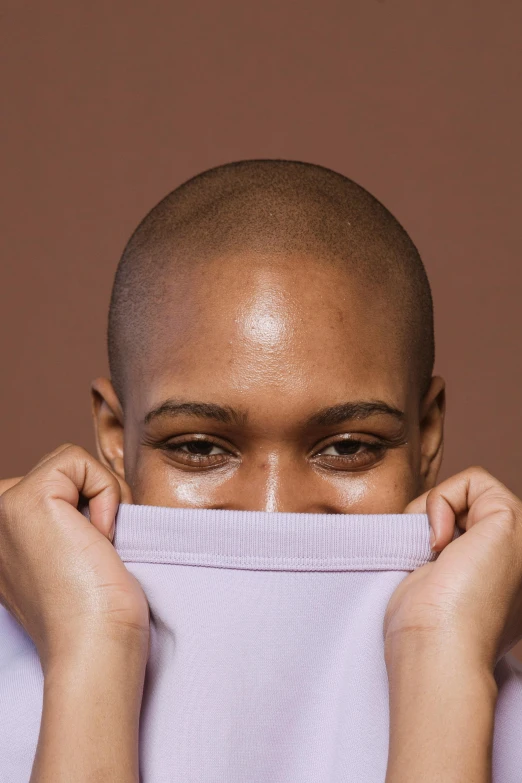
column 440, row 516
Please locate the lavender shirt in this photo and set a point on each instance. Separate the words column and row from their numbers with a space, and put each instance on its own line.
column 266, row 662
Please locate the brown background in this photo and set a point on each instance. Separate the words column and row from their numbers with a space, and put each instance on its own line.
column 108, row 106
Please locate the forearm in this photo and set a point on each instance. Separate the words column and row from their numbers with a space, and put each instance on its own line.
column 90, row 720
column 442, row 707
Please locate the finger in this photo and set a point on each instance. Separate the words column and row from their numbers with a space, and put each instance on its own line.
column 441, row 516
column 50, row 455
column 441, row 513
column 125, row 490
column 442, row 520
column 74, row 471
column 455, row 501
column 418, row 505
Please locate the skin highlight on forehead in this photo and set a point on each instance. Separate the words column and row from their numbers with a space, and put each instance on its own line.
column 258, row 323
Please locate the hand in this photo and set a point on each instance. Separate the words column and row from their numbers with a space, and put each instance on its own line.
column 471, row 595
column 60, row 576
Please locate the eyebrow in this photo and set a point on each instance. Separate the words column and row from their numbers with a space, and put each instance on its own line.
column 359, row 409
column 336, row 414
column 201, row 410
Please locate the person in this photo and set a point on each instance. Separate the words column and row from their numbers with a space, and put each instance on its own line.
column 271, row 347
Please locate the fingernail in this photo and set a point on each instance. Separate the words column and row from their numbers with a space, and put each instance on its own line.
column 113, row 528
column 432, row 537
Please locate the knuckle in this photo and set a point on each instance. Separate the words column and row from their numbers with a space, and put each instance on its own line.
column 61, row 458
column 507, row 517
column 479, row 469
column 73, row 451
column 54, row 454
column 70, row 447
column 60, row 449
column 512, row 515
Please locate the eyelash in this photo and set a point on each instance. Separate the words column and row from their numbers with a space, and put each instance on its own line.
column 339, row 460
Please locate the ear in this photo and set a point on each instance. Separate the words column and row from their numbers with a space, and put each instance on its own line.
column 108, row 429
column 432, row 411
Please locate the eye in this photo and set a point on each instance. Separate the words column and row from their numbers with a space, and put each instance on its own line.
column 344, row 447
column 197, row 452
column 202, row 448
column 350, row 454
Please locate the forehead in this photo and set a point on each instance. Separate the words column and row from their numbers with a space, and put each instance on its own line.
column 286, row 326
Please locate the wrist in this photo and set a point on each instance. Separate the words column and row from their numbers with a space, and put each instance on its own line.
column 442, row 702
column 434, row 648
column 91, row 709
column 91, row 646
column 440, row 662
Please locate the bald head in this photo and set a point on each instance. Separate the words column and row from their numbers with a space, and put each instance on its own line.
column 271, row 210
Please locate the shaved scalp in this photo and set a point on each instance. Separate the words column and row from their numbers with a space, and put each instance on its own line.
column 279, row 208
